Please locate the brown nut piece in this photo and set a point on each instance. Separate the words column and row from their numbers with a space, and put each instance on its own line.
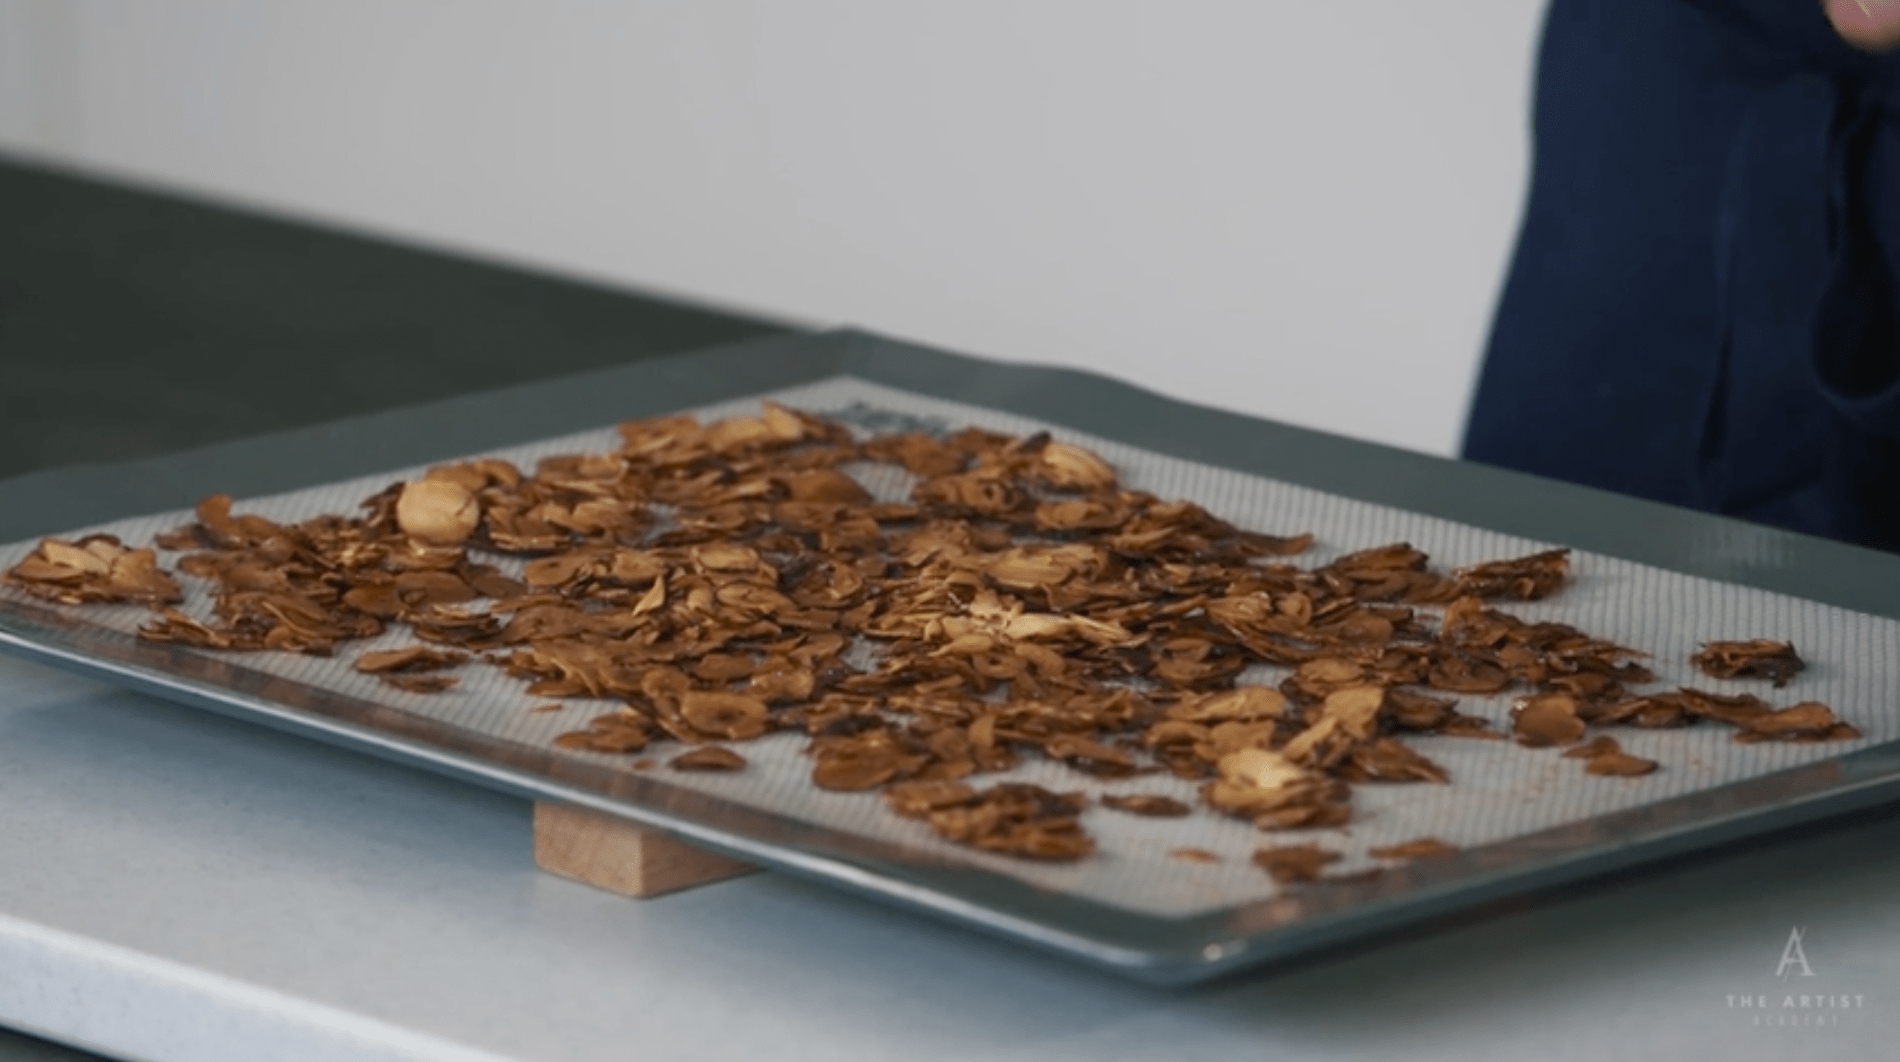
column 1294, row 864
column 1541, row 722
column 707, row 758
column 1762, row 658
column 437, row 511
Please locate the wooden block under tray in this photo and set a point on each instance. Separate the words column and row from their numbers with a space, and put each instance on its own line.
column 616, row 855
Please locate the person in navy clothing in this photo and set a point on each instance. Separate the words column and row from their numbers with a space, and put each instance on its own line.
column 1702, row 304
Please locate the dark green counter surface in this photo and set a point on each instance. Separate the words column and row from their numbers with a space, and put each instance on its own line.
column 134, row 323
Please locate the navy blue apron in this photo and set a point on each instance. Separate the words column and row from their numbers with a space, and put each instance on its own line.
column 1701, row 307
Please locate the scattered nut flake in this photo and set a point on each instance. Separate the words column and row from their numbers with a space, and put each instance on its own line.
column 415, row 658
column 1194, row 855
column 707, row 758
column 1294, row 863
column 1387, row 760
column 729, row 580
column 1597, row 746
column 1422, row 848
column 419, row 683
column 1620, row 765
column 1151, row 804
column 1761, row 658
column 728, row 716
column 1551, row 719
column 1605, row 757
column 543, row 708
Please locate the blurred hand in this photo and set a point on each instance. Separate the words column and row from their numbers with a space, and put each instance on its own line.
column 1870, row 24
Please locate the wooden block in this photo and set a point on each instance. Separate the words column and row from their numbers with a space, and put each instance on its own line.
column 614, row 854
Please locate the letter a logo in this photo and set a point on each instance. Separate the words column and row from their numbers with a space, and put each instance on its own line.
column 1792, row 956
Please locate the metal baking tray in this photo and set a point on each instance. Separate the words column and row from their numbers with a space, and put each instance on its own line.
column 1648, row 576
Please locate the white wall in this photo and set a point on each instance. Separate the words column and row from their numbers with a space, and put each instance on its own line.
column 1299, row 210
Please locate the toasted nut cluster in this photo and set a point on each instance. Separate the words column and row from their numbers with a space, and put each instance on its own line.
column 725, row 581
column 1014, row 818
column 95, row 569
column 1762, row 658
